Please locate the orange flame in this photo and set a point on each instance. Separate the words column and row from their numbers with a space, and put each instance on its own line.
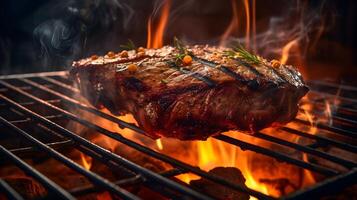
column 86, row 161
column 233, row 25
column 247, row 18
column 309, row 178
column 286, row 50
column 159, row 144
column 155, row 37
column 254, row 28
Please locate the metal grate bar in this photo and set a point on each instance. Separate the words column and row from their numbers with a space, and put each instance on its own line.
column 97, row 148
column 341, row 108
column 51, row 186
column 354, row 101
column 54, row 145
column 334, row 118
column 9, row 191
column 137, row 179
column 279, row 156
column 137, row 129
column 152, row 179
column 106, row 161
column 329, row 128
column 255, row 148
column 85, row 107
column 58, row 156
column 327, row 187
column 33, row 103
column 137, row 146
column 19, row 121
column 31, row 75
column 346, row 163
column 334, row 85
column 90, row 189
column 58, row 83
column 251, row 147
column 322, row 139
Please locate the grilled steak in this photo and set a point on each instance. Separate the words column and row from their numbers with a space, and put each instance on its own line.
column 191, row 99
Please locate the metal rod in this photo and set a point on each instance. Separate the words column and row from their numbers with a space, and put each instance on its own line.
column 333, row 117
column 31, row 75
column 277, row 155
column 26, row 120
column 71, row 164
column 137, row 129
column 338, row 130
column 58, row 83
column 85, row 107
column 334, row 96
column 346, row 163
column 61, row 96
column 323, row 139
column 283, row 157
column 54, row 145
column 47, row 183
column 32, row 103
column 338, row 86
column 333, row 129
column 90, row 189
column 342, row 108
column 318, row 138
column 326, row 187
column 137, row 146
column 134, row 180
column 300, row 163
column 10, row 193
column 97, row 148
column 112, row 165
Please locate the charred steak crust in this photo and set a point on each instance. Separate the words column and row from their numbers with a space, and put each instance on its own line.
column 211, row 95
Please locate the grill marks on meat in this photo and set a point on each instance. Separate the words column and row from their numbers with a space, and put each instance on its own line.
column 211, row 95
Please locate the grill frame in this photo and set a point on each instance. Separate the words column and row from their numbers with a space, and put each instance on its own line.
column 335, row 182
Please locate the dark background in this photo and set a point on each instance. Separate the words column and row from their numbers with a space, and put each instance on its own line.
column 39, row 35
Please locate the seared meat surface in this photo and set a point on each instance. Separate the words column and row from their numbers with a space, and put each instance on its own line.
column 211, row 94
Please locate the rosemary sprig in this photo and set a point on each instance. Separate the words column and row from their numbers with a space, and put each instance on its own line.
column 180, row 46
column 240, row 52
column 182, row 50
column 129, row 45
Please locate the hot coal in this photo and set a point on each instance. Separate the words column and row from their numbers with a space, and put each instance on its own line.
column 218, row 191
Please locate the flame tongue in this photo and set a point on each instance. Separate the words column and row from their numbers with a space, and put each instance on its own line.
column 156, row 34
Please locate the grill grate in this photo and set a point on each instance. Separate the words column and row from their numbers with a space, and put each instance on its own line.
column 39, row 104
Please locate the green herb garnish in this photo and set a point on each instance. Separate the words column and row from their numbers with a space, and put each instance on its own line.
column 129, row 45
column 180, row 46
column 182, row 50
column 240, row 52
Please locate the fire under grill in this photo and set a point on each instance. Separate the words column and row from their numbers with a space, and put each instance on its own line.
column 36, row 108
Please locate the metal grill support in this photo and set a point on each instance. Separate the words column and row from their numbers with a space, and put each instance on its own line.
column 162, row 183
